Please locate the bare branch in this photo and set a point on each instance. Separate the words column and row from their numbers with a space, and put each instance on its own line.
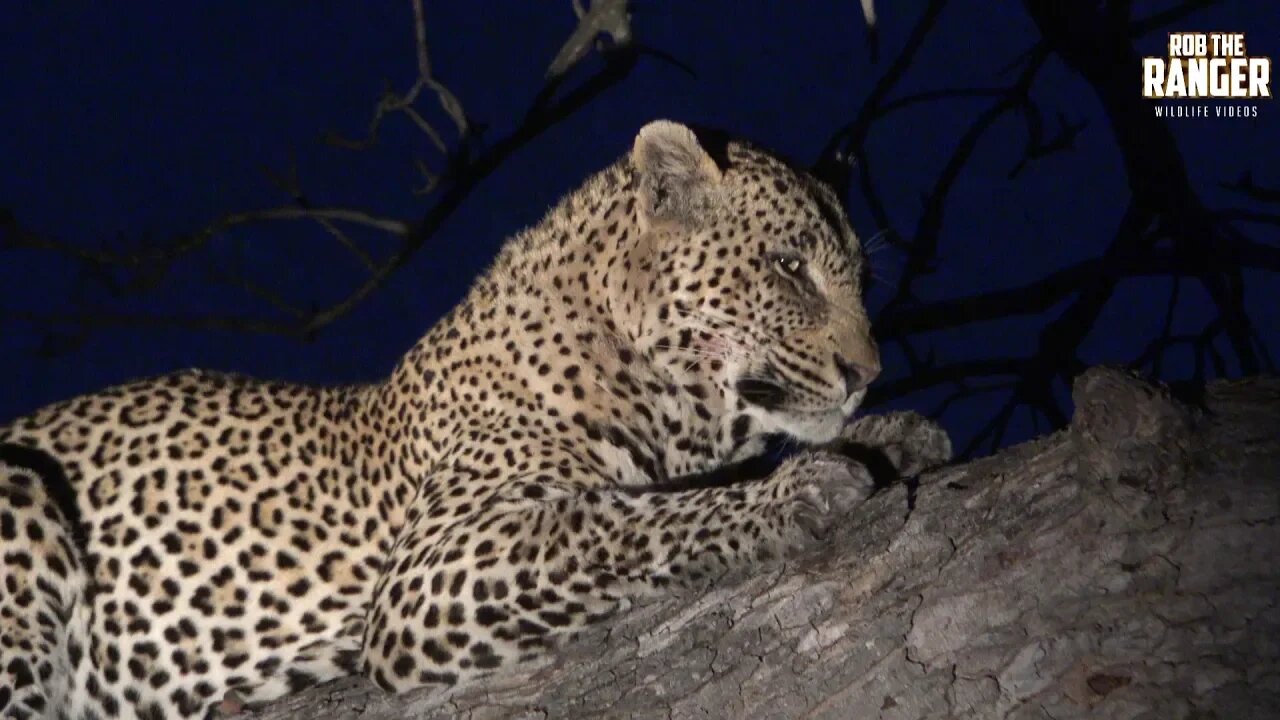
column 350, row 215
column 345, row 241
column 392, row 102
column 849, row 141
column 604, row 17
column 1038, row 146
column 448, row 101
column 966, row 388
column 151, row 262
column 909, row 101
column 15, row 236
column 929, row 377
column 924, row 244
column 92, row 320
column 1247, row 216
column 1042, row 294
column 249, row 287
column 1247, row 187
column 1166, row 231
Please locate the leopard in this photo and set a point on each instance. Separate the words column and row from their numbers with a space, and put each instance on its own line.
column 177, row 543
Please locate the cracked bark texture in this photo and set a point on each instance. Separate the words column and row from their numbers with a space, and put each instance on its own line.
column 1122, row 568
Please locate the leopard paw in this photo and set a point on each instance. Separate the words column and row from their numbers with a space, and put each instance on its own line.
column 911, row 442
column 824, row 488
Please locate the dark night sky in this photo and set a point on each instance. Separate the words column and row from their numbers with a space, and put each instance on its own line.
column 149, row 119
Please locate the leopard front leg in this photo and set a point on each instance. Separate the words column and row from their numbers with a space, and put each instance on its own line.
column 465, row 596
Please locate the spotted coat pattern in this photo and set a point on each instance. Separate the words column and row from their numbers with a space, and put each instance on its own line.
column 171, row 540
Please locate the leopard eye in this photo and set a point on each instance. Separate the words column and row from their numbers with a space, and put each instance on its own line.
column 790, row 265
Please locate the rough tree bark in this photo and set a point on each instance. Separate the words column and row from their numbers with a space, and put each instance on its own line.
column 1122, row 568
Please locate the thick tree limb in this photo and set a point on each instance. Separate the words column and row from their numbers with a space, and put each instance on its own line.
column 1124, row 567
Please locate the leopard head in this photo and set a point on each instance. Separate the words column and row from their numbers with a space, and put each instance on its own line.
column 751, row 281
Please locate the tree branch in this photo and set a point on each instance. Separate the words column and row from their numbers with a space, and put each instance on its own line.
column 548, row 109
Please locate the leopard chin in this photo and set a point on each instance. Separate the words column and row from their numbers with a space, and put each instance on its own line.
column 766, row 401
column 808, row 427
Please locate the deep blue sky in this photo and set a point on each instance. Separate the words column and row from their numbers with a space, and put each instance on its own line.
column 149, row 119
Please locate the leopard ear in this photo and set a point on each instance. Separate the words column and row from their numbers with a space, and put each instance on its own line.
column 676, row 175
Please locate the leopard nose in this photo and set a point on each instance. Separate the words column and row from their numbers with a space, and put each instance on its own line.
column 856, row 375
